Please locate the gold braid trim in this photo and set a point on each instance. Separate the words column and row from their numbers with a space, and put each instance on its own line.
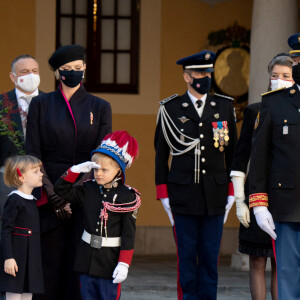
column 259, row 199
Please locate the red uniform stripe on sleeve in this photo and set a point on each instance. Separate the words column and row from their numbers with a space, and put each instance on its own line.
column 161, row 191
column 70, row 176
column 230, row 189
column 125, row 256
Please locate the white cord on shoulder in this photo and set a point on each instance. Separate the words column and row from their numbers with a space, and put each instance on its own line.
column 194, row 143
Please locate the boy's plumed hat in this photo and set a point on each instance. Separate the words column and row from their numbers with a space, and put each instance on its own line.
column 120, row 146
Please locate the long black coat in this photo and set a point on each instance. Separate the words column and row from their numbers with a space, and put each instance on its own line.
column 20, row 239
column 101, row 262
column 274, row 163
column 61, row 138
column 252, row 236
column 209, row 196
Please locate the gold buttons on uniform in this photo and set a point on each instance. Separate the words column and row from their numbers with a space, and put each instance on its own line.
column 203, row 171
column 97, row 230
column 279, row 184
column 181, row 129
column 104, row 195
column 98, row 223
column 201, row 136
column 202, row 148
column 201, row 124
column 203, row 159
column 29, row 232
column 285, row 121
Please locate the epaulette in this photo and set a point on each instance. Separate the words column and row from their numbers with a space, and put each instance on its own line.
column 277, row 90
column 162, row 102
column 135, row 190
column 223, row 96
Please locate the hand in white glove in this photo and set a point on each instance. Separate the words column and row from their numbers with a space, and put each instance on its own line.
column 264, row 220
column 242, row 211
column 120, row 272
column 230, row 201
column 85, row 167
column 166, row 204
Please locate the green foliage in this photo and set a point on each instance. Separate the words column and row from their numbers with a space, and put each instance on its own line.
column 8, row 127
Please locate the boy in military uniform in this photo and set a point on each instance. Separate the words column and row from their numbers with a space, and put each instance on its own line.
column 198, row 130
column 109, row 212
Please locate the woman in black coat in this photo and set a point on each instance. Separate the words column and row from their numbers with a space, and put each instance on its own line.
column 252, row 240
column 63, row 127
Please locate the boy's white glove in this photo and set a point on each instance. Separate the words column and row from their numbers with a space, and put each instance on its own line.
column 242, row 210
column 230, row 201
column 120, row 272
column 166, row 204
column 265, row 220
column 85, row 167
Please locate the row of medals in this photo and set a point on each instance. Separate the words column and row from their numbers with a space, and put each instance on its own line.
column 221, row 138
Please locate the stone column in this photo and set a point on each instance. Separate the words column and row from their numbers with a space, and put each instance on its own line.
column 273, row 21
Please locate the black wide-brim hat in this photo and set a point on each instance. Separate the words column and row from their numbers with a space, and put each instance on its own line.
column 66, row 54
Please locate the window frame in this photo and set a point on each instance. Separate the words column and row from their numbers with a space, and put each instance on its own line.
column 93, row 47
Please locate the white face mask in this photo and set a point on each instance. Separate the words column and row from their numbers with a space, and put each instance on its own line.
column 29, row 83
column 279, row 83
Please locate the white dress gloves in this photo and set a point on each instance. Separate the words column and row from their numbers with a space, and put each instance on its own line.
column 264, row 220
column 166, row 204
column 242, row 210
column 85, row 167
column 230, row 201
column 120, row 272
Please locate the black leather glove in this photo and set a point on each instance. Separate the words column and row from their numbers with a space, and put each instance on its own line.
column 57, row 202
column 58, row 205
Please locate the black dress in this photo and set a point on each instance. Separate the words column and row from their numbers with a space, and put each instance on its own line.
column 20, row 239
column 253, row 240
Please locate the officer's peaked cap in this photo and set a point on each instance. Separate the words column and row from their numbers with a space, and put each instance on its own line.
column 294, row 43
column 66, row 54
column 201, row 62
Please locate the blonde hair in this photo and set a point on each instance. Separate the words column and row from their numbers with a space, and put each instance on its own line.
column 96, row 156
column 21, row 163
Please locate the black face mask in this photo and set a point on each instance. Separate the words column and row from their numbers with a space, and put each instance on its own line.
column 201, row 85
column 296, row 73
column 71, row 78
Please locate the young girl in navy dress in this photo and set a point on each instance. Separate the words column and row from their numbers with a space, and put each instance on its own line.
column 20, row 260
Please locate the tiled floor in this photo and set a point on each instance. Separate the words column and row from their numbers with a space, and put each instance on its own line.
column 154, row 278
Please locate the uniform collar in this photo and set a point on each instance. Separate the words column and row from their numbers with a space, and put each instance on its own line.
column 194, row 99
column 23, row 195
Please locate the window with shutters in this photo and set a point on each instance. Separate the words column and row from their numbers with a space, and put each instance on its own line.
column 109, row 30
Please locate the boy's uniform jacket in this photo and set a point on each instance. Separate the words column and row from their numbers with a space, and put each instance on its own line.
column 90, row 196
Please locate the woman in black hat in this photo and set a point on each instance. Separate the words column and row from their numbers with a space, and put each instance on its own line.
column 63, row 128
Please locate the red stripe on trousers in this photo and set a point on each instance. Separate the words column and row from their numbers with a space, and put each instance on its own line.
column 119, row 292
column 179, row 289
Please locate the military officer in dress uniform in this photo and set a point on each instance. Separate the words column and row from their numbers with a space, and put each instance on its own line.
column 198, row 131
column 274, row 177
